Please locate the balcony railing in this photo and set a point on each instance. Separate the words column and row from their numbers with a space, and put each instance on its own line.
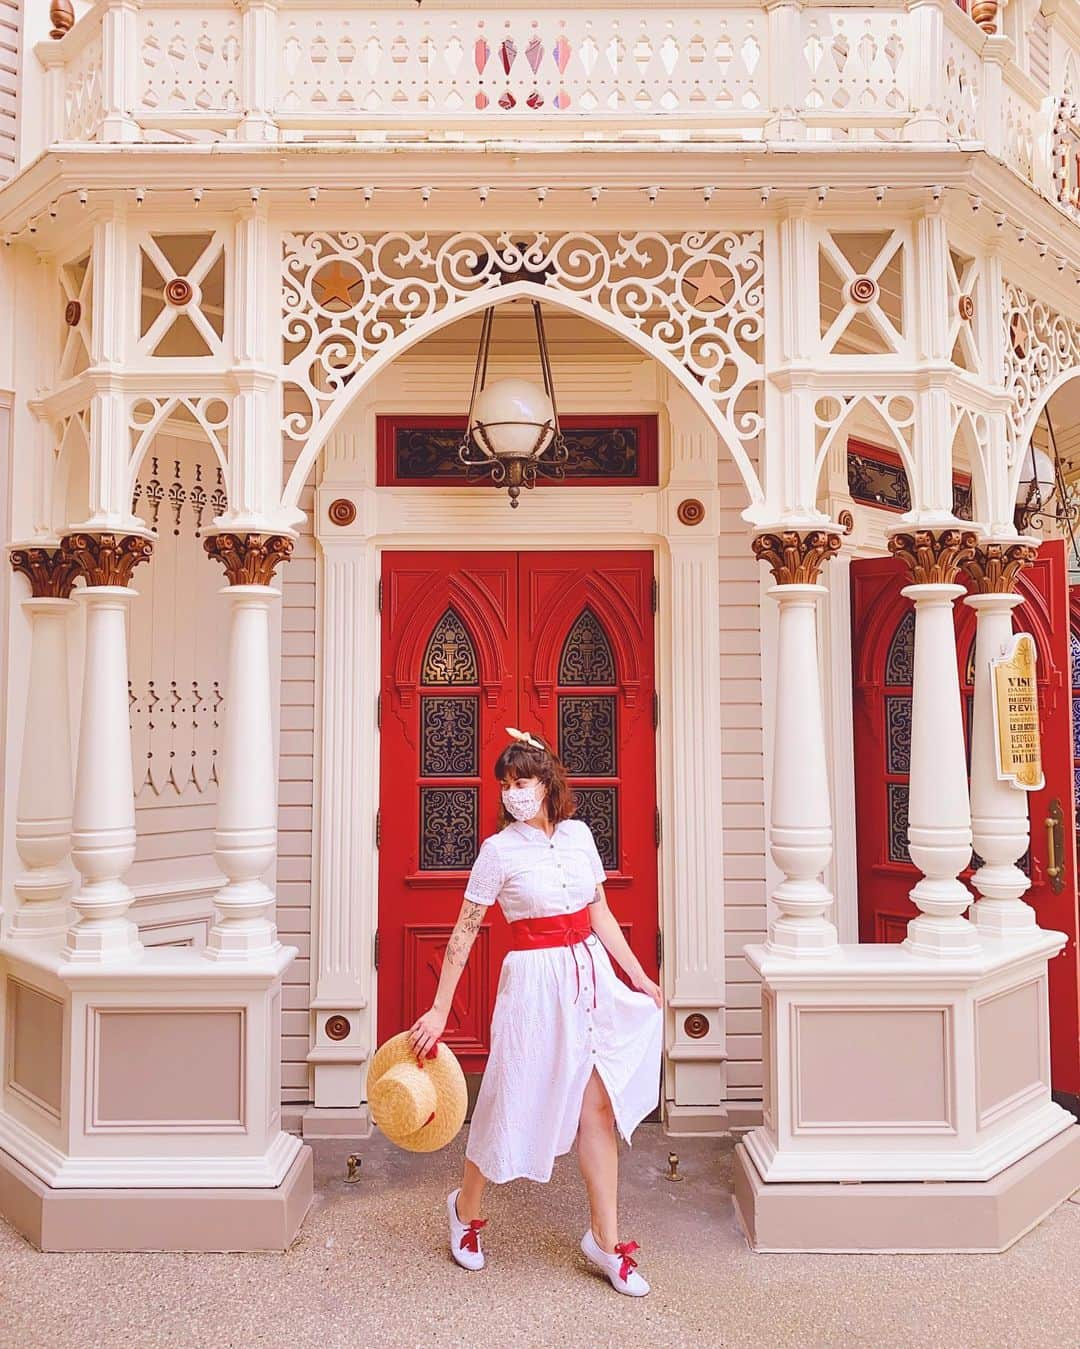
column 167, row 71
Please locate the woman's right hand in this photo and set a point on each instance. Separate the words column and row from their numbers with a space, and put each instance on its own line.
column 426, row 1031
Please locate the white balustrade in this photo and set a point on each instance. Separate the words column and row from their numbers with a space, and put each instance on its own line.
column 291, row 71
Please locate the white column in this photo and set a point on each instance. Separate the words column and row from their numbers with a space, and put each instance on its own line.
column 999, row 811
column 939, row 812
column 245, row 837
column 800, row 823
column 348, row 759
column 258, row 69
column 103, row 817
column 43, row 810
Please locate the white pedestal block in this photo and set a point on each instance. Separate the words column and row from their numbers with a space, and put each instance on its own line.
column 881, row 1065
column 161, row 1076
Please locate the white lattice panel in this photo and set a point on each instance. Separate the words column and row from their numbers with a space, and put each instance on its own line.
column 854, row 62
column 189, row 60
column 485, row 64
column 177, row 640
column 962, row 77
column 83, row 101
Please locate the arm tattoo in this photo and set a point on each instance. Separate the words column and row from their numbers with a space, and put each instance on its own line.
column 464, row 934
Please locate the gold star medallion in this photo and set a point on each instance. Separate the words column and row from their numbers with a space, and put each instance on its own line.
column 708, row 286
column 334, row 282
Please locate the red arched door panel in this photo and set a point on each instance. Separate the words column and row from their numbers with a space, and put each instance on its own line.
column 471, row 643
column 883, row 652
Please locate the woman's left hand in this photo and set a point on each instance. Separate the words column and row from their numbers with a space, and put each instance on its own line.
column 644, row 984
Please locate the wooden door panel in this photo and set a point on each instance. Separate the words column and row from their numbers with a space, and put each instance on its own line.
column 449, row 687
column 881, row 629
column 472, row 643
column 588, row 683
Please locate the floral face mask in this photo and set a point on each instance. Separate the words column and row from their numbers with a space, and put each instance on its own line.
column 523, row 803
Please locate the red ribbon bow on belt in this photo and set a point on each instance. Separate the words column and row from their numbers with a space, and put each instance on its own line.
column 470, row 1238
column 626, row 1250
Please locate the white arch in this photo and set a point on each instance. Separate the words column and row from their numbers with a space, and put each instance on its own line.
column 73, row 453
column 1023, row 439
column 892, row 433
column 481, row 299
column 151, row 428
column 964, row 432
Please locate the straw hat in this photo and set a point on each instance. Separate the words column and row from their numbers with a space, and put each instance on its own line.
column 418, row 1104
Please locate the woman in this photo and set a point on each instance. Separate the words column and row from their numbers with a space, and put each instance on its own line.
column 574, row 1052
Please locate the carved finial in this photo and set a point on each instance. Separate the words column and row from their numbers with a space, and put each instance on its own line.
column 249, row 559
column 61, row 16
column 796, row 557
column 995, row 567
column 984, row 12
column 51, row 570
column 934, row 556
column 107, row 559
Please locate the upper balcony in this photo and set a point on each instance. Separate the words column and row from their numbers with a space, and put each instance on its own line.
column 297, row 71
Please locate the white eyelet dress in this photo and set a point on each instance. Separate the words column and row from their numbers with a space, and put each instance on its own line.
column 546, row 1034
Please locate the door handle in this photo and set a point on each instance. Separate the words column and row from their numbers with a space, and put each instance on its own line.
column 1055, row 847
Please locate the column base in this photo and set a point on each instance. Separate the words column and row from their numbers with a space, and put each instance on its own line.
column 696, row 1121
column 210, row 1220
column 915, row 1216
column 336, row 1122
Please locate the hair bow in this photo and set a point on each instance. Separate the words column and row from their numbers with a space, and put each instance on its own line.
column 523, row 736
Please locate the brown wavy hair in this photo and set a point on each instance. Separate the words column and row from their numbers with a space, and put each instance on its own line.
column 520, row 760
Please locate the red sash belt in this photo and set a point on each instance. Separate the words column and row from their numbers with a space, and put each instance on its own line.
column 561, row 929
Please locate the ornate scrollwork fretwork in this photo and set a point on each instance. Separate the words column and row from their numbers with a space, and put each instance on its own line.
column 51, row 571
column 994, row 568
column 249, row 559
column 795, row 557
column 934, row 556
column 107, row 559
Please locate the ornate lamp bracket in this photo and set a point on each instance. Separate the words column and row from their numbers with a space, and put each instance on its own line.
column 106, row 559
column 796, row 556
column 50, row 570
column 249, row 559
column 994, row 568
column 934, row 556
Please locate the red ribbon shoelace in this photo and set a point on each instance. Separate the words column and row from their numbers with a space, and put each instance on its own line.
column 625, row 1250
column 470, row 1238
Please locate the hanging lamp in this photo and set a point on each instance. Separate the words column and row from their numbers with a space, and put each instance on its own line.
column 513, row 434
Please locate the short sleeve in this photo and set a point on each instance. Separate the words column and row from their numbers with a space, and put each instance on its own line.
column 599, row 875
column 486, row 878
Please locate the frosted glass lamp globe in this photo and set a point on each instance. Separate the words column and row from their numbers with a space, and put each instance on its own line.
column 1042, row 474
column 513, row 419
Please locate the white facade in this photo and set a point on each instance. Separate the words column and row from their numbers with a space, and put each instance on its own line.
column 245, row 233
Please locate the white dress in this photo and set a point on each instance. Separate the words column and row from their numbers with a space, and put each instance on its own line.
column 546, row 1036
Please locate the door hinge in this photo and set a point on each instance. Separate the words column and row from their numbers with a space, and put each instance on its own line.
column 655, row 710
column 655, row 594
column 378, row 711
column 378, row 828
column 656, row 829
column 659, row 948
column 380, row 594
column 375, row 953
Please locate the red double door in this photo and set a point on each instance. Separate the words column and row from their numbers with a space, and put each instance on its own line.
column 883, row 645
column 560, row 644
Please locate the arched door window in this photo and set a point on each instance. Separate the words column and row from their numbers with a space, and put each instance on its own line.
column 588, row 733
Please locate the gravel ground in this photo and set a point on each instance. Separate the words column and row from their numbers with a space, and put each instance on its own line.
column 370, row 1269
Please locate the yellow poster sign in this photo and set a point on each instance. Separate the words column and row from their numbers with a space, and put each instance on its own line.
column 1016, row 714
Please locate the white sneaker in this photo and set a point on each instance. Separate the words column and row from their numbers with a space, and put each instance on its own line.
column 464, row 1237
column 619, row 1268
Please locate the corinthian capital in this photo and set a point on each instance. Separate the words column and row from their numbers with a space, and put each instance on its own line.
column 51, row 570
column 796, row 556
column 994, row 568
column 249, row 559
column 934, row 556
column 107, row 559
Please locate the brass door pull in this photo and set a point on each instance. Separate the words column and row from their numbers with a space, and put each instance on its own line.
column 1055, row 847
